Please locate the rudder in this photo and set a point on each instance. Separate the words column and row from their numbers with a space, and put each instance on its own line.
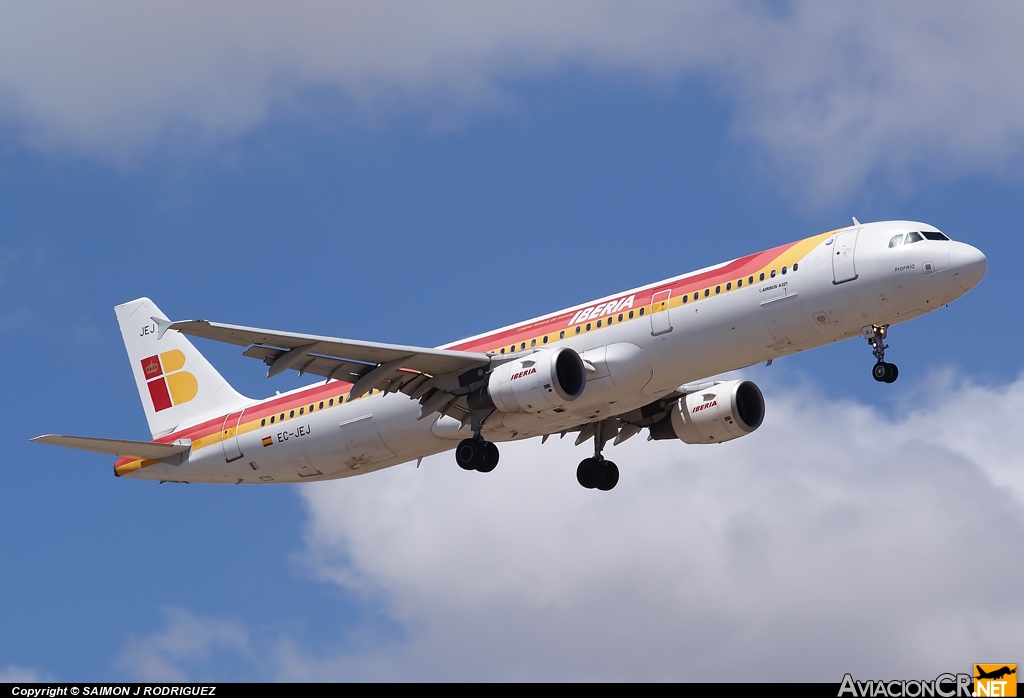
column 177, row 385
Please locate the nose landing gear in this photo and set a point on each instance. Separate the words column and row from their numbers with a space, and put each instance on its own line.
column 882, row 372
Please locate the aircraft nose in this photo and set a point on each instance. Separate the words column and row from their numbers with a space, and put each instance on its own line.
column 968, row 265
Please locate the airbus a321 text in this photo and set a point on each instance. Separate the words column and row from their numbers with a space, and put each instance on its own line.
column 601, row 371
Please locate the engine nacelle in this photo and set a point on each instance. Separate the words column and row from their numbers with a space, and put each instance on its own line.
column 547, row 379
column 721, row 413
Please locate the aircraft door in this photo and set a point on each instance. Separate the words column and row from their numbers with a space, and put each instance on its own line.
column 229, row 436
column 660, row 321
column 843, row 267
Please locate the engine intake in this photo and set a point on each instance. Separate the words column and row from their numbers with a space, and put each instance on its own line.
column 544, row 380
column 721, row 413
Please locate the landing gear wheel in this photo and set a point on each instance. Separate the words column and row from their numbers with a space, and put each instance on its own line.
column 880, row 371
column 470, row 453
column 884, row 372
column 610, row 478
column 590, row 473
column 490, row 458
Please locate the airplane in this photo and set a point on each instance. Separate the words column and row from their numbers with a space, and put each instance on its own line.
column 996, row 674
column 603, row 370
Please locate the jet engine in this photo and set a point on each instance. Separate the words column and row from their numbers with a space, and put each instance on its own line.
column 723, row 412
column 544, row 380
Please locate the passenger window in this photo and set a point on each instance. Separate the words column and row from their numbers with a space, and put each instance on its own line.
column 291, row 414
column 630, row 314
column 271, row 419
column 620, row 317
column 913, row 237
column 545, row 339
column 739, row 283
column 718, row 289
column 685, row 297
column 577, row 329
column 522, row 346
column 641, row 311
column 533, row 342
column 728, row 286
column 773, row 273
column 795, row 265
column 707, row 292
column 598, row 323
column 751, row 280
column 762, row 276
column 588, row 327
column 331, row 402
column 896, row 240
column 281, row 417
column 263, row 422
column 783, row 270
column 561, row 335
column 503, row 350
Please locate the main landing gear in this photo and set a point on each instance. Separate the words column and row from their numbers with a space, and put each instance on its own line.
column 476, row 454
column 882, row 372
column 598, row 473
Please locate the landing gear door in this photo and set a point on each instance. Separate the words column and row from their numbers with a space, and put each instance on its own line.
column 843, row 267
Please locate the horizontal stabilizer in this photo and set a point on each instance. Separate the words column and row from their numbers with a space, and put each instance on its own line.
column 116, row 447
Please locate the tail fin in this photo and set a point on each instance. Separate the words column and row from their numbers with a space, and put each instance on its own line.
column 178, row 386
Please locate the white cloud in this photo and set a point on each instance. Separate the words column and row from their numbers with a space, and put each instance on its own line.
column 828, row 93
column 185, row 648
column 836, row 538
column 18, row 674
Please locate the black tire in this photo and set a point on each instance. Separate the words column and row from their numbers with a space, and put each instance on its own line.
column 589, row 472
column 490, row 461
column 894, row 373
column 611, row 476
column 466, row 454
column 880, row 371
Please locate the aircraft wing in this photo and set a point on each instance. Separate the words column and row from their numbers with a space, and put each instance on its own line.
column 367, row 365
column 628, row 424
column 115, row 447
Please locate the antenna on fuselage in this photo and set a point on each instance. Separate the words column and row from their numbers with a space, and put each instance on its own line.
column 855, row 221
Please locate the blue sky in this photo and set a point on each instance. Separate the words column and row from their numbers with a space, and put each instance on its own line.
column 418, row 176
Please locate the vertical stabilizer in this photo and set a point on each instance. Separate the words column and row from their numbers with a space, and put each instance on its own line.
column 178, row 386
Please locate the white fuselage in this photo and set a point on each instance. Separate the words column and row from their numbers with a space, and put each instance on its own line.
column 844, row 281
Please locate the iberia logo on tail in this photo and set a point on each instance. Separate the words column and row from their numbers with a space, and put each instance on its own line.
column 168, row 384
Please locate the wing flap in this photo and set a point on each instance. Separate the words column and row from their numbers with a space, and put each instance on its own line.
column 115, row 447
column 373, row 354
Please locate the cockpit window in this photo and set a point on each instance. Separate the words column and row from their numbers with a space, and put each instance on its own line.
column 934, row 235
column 913, row 237
column 896, row 241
